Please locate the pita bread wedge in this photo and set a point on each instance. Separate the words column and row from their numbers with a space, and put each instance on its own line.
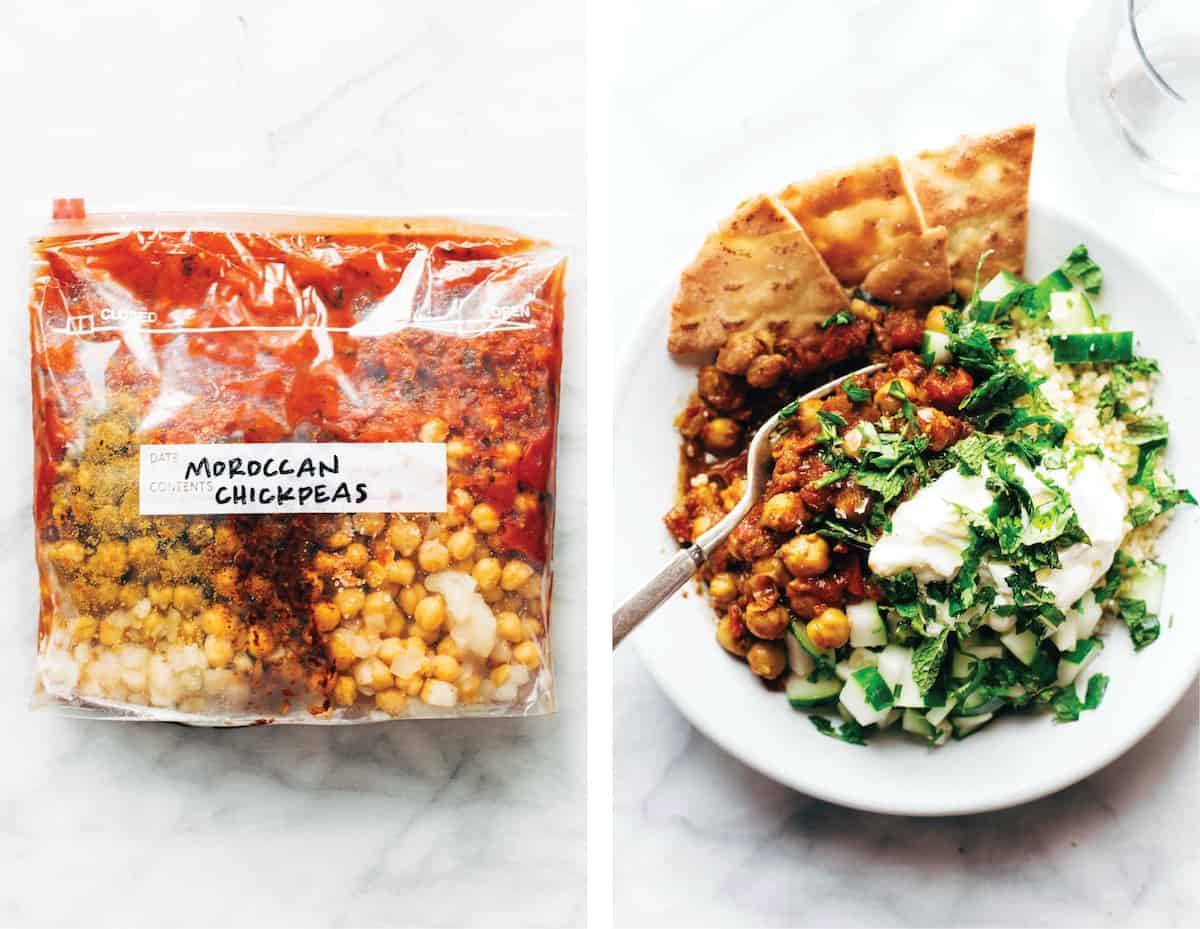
column 979, row 190
column 856, row 218
column 917, row 274
column 758, row 271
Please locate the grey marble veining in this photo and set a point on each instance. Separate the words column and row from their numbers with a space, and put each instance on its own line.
column 350, row 106
column 747, row 97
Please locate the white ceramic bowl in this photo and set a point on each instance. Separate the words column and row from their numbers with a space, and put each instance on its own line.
column 1014, row 759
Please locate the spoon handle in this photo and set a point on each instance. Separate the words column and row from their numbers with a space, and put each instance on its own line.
column 658, row 590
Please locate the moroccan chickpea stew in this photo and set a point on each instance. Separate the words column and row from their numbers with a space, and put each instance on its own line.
column 942, row 541
column 293, row 468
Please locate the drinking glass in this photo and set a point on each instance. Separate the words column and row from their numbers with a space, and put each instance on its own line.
column 1133, row 86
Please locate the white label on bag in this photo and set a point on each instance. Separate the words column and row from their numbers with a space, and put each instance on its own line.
column 292, row 477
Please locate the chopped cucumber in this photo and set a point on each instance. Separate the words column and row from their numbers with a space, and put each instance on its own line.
column 1053, row 281
column 1145, row 583
column 1086, row 613
column 800, row 661
column 983, row 651
column 979, row 702
column 935, row 347
column 866, row 624
column 917, row 724
column 859, row 658
column 803, row 693
column 999, row 287
column 889, row 718
column 962, row 665
column 895, row 665
column 939, row 713
column 1071, row 311
column 820, row 654
column 1067, row 633
column 1092, row 348
column 1023, row 645
column 1073, row 662
column 965, row 725
column 866, row 696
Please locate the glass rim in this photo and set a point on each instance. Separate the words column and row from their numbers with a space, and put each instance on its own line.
column 1159, row 81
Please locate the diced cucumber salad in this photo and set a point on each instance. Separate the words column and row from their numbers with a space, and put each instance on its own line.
column 1047, row 524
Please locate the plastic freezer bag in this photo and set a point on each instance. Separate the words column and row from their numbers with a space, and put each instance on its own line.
column 293, row 468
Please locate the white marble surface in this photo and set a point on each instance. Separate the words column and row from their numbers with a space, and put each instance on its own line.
column 354, row 105
column 715, row 101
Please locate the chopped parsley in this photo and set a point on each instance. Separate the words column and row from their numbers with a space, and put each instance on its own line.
column 849, row 731
column 1081, row 270
column 840, row 318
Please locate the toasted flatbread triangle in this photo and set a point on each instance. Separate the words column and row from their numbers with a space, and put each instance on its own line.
column 917, row 274
column 979, row 190
column 758, row 271
column 856, row 218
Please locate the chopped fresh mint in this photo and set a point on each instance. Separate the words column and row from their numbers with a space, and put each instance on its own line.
column 1067, row 705
column 927, row 661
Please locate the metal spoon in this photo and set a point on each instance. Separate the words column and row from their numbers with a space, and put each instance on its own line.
column 693, row 556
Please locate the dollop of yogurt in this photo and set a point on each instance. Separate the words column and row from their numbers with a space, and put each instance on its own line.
column 929, row 532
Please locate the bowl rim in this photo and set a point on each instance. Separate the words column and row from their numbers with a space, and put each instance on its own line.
column 644, row 332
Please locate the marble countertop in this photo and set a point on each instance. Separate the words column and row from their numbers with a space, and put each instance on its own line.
column 713, row 102
column 353, row 106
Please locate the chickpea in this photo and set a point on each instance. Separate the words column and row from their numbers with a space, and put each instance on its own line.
column 829, row 629
column 719, row 390
column 937, row 426
column 508, row 627
column 433, row 556
column 468, row 688
column 69, row 554
column 369, row 524
column 500, row 675
column 487, row 573
column 430, row 613
column 338, row 540
column 217, row 620
column 375, row 574
column 391, row 701
column 935, row 320
column 143, row 551
column 515, row 574
column 767, row 624
column 887, row 401
column 805, row 555
column 766, row 371
column 783, row 512
column 738, row 352
column 446, row 668
column 527, row 653
column 187, row 599
column 771, row 567
column 160, row 594
column 409, row 598
column 345, row 691
column 448, row 646
column 435, row 430
column 485, row 518
column 723, row 587
column 356, row 555
column 767, row 659
column 720, row 435
column 218, row 650
column 110, row 633
column 458, row 450
column 807, row 417
column 111, row 559
column 349, row 600
column 405, row 536
column 371, row 674
column 730, row 641
column 461, row 544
